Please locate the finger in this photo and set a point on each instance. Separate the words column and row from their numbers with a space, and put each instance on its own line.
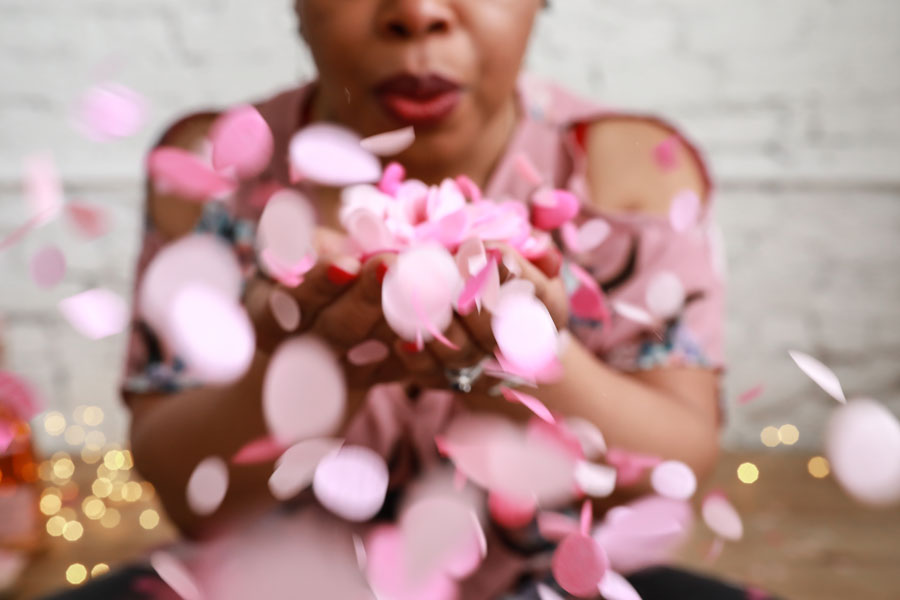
column 465, row 352
column 478, row 325
column 257, row 302
column 349, row 319
column 417, row 362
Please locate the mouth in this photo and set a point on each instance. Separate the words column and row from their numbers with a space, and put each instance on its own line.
column 419, row 100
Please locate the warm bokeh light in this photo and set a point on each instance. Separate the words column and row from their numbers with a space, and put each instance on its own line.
column 149, row 519
column 74, row 435
column 102, row 487
column 54, row 423
column 68, row 514
column 76, row 573
column 73, row 531
column 63, row 468
column 114, row 460
column 55, row 525
column 50, row 504
column 91, row 455
column 78, row 413
column 45, row 470
column 105, row 473
column 93, row 416
column 788, row 434
column 95, row 440
column 131, row 491
column 116, row 494
column 748, row 473
column 818, row 467
column 110, row 518
column 93, row 508
column 99, row 569
column 769, row 437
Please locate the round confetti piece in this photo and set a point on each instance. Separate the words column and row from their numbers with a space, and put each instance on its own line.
column 304, row 391
column 43, row 188
column 89, row 221
column 525, row 332
column 207, row 486
column 286, row 230
column 511, row 512
column 296, row 467
column 285, row 309
column 262, row 449
column 684, row 210
column 352, row 483
column 369, row 352
column 332, row 156
column 110, row 111
column 180, row 172
column 579, row 565
column 665, row 295
column 550, row 209
column 862, row 442
column 556, row 526
column 597, row 481
column 722, row 518
column 48, row 267
column 591, row 234
column 674, row 479
column 390, row 143
column 242, row 142
column 633, row 313
column 96, row 314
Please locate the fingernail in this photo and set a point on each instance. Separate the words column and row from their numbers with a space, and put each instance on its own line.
column 410, row 347
column 339, row 276
column 381, row 271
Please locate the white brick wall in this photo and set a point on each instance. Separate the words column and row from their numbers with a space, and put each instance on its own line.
column 795, row 102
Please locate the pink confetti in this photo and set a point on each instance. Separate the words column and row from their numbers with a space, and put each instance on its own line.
column 527, row 170
column 862, row 443
column 556, row 526
column 579, row 565
column 587, row 518
column 633, row 313
column 261, row 450
column 212, row 333
column 751, row 394
column 616, row 587
column 295, row 468
column 469, row 188
column 110, row 111
column 715, row 550
column 666, row 153
column 442, row 534
column 510, row 512
column 7, row 435
column 529, row 402
column 19, row 233
column 285, row 236
column 89, row 221
column 304, row 391
column 96, row 314
column 822, row 375
column 588, row 301
column 684, row 210
column 591, row 440
column 525, row 332
column 721, row 517
column 630, row 466
column 352, row 483
column 665, row 295
column 592, row 234
column 391, row 179
column 207, row 486
column 184, row 174
column 389, row 577
column 332, row 155
column 550, row 209
column 390, row 143
column 285, row 310
column 674, row 479
column 597, row 481
column 48, row 267
column 369, row 352
column 546, row 593
column 242, row 143
column 42, row 188
column 176, row 575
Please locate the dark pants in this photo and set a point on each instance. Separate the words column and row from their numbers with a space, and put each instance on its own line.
column 141, row 583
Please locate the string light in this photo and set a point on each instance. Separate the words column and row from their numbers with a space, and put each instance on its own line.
column 93, row 416
column 64, row 468
column 102, row 487
column 93, row 508
column 770, row 437
column 90, row 455
column 113, row 460
column 748, row 473
column 131, row 491
column 110, row 518
column 818, row 467
column 78, row 413
column 76, row 573
column 73, row 531
column 50, row 504
column 788, row 434
column 74, row 435
column 99, row 569
column 149, row 519
column 95, row 440
column 54, row 423
column 55, row 525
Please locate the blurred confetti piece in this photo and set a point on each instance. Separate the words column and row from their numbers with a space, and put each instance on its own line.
column 633, row 313
column 48, row 267
column 285, row 310
column 593, row 445
column 110, row 111
column 176, row 575
column 547, row 593
column 43, row 188
column 352, row 483
column 7, row 435
column 665, row 295
column 511, row 512
column 862, row 442
column 89, row 221
column 527, row 170
column 260, row 450
column 588, row 301
column 550, row 209
column 19, row 233
column 616, row 587
column 304, row 391
column 242, row 143
column 529, row 402
column 666, row 153
column 390, row 143
column 96, row 313
column 721, row 517
column 597, row 481
column 592, row 234
column 579, row 565
column 207, row 486
column 475, row 286
column 684, row 210
column 332, row 156
column 715, row 550
column 285, row 235
column 752, row 394
column 630, row 466
column 822, row 375
column 16, row 394
column 555, row 526
column 212, row 333
column 368, row 353
column 525, row 332
column 673, row 479
column 179, row 172
column 442, row 534
column 295, row 468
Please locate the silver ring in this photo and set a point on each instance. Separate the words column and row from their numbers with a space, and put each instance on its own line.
column 463, row 379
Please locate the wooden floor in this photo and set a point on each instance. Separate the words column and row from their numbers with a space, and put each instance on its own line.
column 804, row 539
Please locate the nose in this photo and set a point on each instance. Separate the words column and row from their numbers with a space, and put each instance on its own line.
column 410, row 19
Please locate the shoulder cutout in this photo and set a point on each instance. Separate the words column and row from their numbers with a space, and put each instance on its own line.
column 174, row 216
column 624, row 172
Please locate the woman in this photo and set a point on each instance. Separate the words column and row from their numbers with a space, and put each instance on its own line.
column 451, row 69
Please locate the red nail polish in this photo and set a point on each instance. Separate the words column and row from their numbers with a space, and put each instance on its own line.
column 381, row 271
column 339, row 276
column 410, row 347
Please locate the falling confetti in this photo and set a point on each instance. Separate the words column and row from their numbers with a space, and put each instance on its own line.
column 684, row 211
column 674, row 479
column 48, row 267
column 822, row 375
column 110, row 111
column 351, row 482
column 285, row 309
column 207, row 486
column 43, row 188
column 295, row 468
column 176, row 575
column 390, row 143
column 89, row 221
column 333, row 156
column 96, row 314
column 242, row 143
column 579, row 565
column 721, row 517
column 368, row 353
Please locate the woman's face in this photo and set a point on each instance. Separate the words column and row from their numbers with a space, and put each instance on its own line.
column 447, row 67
